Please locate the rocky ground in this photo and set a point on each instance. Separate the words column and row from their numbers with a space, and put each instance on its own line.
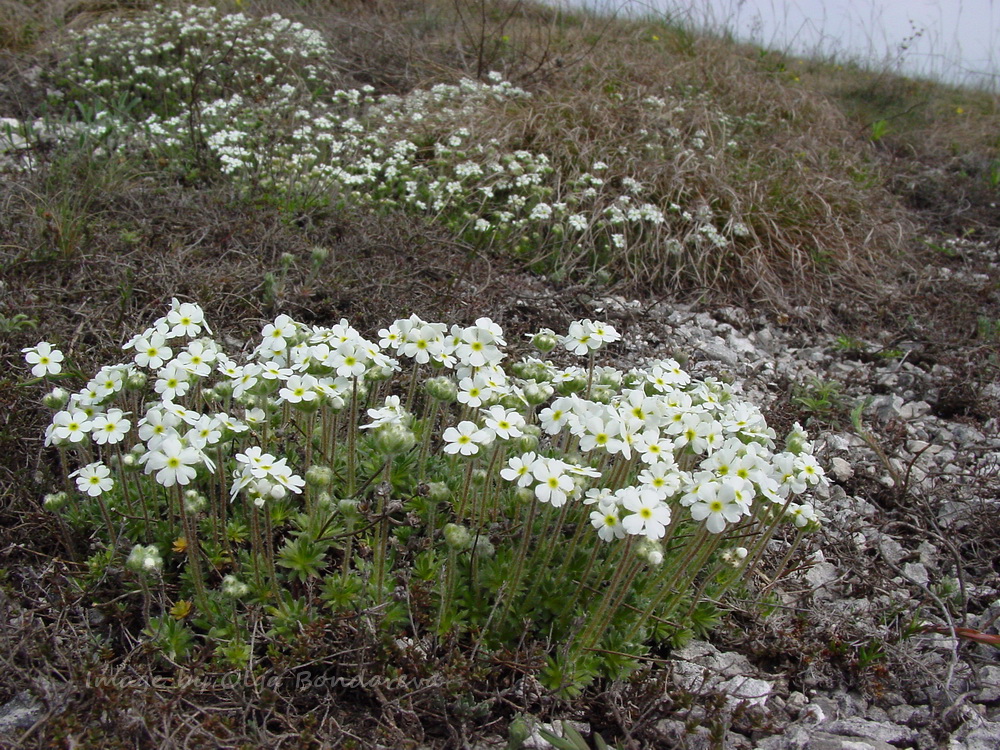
column 886, row 634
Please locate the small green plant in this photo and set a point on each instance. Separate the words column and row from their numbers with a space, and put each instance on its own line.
column 949, row 590
column 879, row 130
column 845, row 343
column 19, row 322
column 945, row 249
column 987, row 330
column 890, row 353
column 571, row 739
column 817, row 396
column 869, row 654
column 993, row 175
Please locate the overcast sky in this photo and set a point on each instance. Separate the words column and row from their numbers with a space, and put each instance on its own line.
column 952, row 39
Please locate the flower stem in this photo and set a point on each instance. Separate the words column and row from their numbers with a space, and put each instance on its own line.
column 193, row 549
column 382, row 531
column 514, row 581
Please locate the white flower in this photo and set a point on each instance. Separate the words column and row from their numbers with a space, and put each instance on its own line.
column 93, row 479
column 474, row 391
column 45, row 359
column 152, row 352
column 246, row 378
column 465, row 438
column 809, row 469
column 423, row 342
column 107, row 382
column 586, row 336
column 801, row 515
column 70, row 425
column 554, row 484
column 602, row 432
column 555, row 417
column 172, row 462
column 109, row 428
column 299, row 388
column 172, row 382
column 197, row 358
column 392, row 412
column 579, row 340
column 502, row 423
column 662, row 477
column 186, row 319
column 607, row 523
column 519, row 469
column 350, row 359
column 650, row 515
column 206, row 431
column 716, row 504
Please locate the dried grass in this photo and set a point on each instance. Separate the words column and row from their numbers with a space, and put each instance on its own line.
column 807, row 184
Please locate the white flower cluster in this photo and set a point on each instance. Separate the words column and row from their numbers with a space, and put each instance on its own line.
column 169, row 57
column 672, row 443
column 274, row 118
column 667, row 422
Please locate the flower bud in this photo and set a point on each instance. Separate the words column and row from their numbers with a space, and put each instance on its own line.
column 632, row 380
column 144, row 559
column 393, row 439
column 483, row 547
column 438, row 492
column 545, row 341
column 457, row 537
column 56, row 399
column 535, row 393
column 529, row 439
column 442, row 388
column 318, row 476
column 223, row 389
column 319, row 254
column 602, row 394
column 308, row 407
column 194, row 501
column 348, row 506
column 511, row 402
column 375, row 374
column 524, row 494
column 608, row 376
column 135, row 381
column 234, row 587
column 572, row 385
column 650, row 551
column 734, row 556
column 521, row 369
column 797, row 441
column 55, row 501
column 518, row 731
column 287, row 260
column 479, row 477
